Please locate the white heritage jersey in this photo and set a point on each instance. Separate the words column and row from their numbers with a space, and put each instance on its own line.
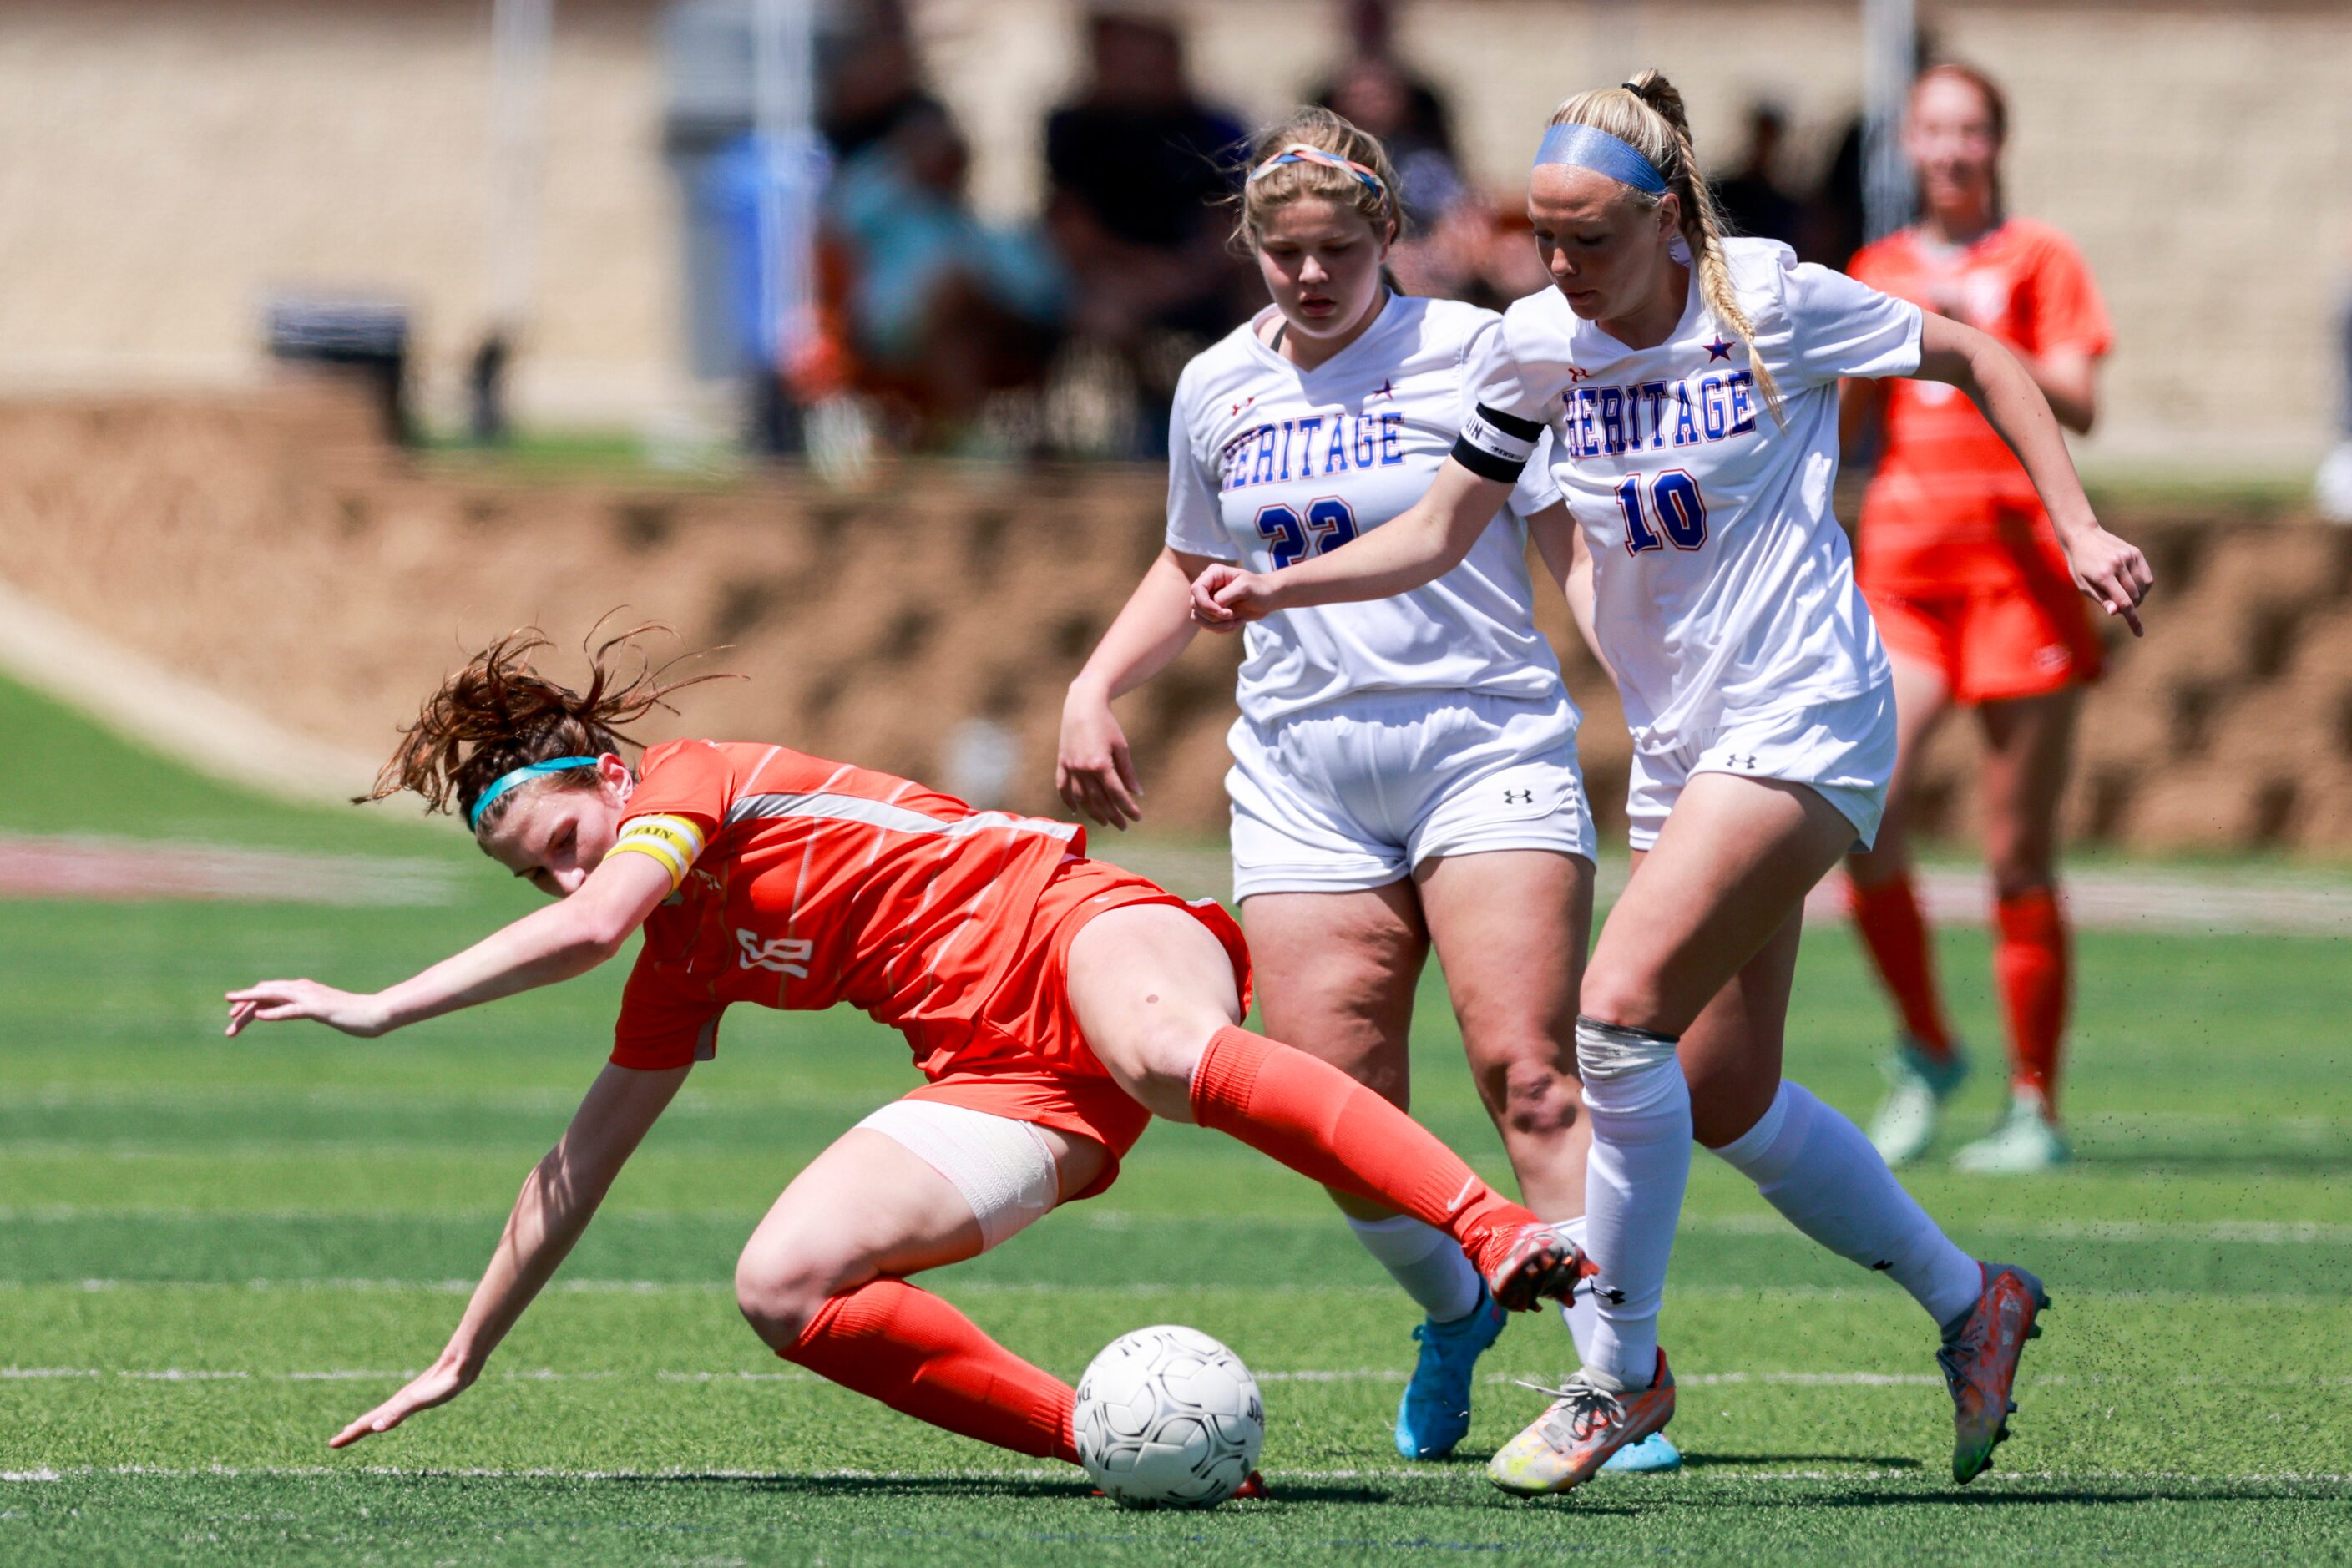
column 1723, row 586
column 1269, row 464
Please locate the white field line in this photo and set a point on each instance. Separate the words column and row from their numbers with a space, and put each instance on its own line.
column 1440, row 1476
column 1849, row 1295
column 2252, row 1232
column 1298, row 1376
column 2220, row 902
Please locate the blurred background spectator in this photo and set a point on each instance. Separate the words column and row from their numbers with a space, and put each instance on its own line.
column 1139, row 168
column 1752, row 195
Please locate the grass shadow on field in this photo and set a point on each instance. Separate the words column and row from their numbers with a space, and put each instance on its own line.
column 1748, row 1461
column 2186, row 1491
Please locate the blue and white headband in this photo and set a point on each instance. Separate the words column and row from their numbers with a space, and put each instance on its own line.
column 522, row 775
column 1582, row 147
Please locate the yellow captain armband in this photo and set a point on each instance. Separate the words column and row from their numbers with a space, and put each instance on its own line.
column 672, row 840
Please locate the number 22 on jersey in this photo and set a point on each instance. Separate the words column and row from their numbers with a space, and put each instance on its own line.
column 1330, row 522
column 1675, row 500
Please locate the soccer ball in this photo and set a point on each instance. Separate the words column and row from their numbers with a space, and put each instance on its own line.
column 1168, row 1418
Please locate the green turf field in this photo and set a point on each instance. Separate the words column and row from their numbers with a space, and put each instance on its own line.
column 214, row 1253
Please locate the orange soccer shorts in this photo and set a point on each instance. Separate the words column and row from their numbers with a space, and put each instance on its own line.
column 1025, row 1057
column 2026, row 637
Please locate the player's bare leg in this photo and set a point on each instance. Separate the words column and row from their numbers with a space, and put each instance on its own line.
column 1155, row 997
column 1336, row 973
column 1512, row 927
column 2029, row 747
column 1927, row 1064
column 1735, row 857
column 822, row 1282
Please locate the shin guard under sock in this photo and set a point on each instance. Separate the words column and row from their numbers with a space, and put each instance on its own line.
column 1895, row 934
column 1641, row 1111
column 2030, row 962
column 918, row 1355
column 1325, row 1125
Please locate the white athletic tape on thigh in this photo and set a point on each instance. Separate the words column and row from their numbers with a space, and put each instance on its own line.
column 1613, row 1050
column 1003, row 1167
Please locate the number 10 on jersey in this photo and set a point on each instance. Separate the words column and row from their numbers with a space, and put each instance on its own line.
column 1675, row 500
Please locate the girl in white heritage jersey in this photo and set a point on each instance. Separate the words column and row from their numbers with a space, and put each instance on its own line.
column 1404, row 772
column 1689, row 387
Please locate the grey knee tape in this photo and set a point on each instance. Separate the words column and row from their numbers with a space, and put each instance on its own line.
column 1604, row 1051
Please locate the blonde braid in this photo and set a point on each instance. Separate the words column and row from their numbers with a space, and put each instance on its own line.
column 1647, row 113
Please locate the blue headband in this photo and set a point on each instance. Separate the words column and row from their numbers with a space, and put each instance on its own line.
column 1582, row 147
column 522, row 775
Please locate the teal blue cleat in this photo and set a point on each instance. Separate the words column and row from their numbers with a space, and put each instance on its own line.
column 1434, row 1413
column 1652, row 1456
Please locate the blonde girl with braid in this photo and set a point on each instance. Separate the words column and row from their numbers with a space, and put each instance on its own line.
column 1688, row 383
column 1405, row 773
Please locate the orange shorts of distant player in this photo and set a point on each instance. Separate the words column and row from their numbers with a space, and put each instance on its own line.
column 2026, row 637
column 1026, row 1058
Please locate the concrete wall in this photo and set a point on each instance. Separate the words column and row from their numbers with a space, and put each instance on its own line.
column 168, row 161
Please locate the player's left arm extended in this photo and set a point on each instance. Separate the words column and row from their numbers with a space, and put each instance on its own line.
column 1419, row 545
column 557, row 1201
column 568, row 938
column 2106, row 568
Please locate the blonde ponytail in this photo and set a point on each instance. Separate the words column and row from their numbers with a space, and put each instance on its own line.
column 1647, row 113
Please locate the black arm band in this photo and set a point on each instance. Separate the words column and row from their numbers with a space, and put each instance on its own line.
column 1486, row 464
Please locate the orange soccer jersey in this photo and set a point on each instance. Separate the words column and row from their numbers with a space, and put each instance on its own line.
column 802, row 882
column 1950, row 507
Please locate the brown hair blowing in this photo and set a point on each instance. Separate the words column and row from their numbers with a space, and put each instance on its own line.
column 498, row 713
column 1647, row 112
column 1326, row 132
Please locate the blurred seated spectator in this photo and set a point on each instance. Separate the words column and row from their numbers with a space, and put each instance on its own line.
column 937, row 309
column 870, row 77
column 1752, row 196
column 1377, row 95
column 1376, row 91
column 1140, row 170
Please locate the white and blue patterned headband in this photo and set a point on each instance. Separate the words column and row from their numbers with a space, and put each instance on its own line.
column 1582, row 147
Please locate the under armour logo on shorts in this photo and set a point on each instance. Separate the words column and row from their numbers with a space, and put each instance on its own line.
column 1518, row 796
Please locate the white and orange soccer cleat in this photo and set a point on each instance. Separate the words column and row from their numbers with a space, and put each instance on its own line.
column 1568, row 1443
column 1525, row 1264
column 1979, row 1361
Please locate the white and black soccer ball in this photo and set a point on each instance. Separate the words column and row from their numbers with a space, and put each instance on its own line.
column 1168, row 1418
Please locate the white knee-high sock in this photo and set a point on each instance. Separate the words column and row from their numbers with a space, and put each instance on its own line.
column 1640, row 1105
column 1817, row 1168
column 1581, row 1311
column 1429, row 1264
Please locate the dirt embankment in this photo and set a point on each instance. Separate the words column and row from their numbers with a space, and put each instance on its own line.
column 265, row 547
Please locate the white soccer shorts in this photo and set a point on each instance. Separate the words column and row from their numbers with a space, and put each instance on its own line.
column 1843, row 750
column 1356, row 794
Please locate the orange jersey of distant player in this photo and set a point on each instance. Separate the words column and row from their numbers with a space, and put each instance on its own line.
column 1950, row 507
column 801, row 882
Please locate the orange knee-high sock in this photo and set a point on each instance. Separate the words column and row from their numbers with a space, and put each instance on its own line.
column 1896, row 936
column 918, row 1355
column 2032, row 967
column 1322, row 1123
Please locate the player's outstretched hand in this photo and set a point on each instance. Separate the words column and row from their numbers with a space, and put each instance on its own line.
column 437, row 1384
column 273, row 1001
column 2113, row 573
column 1224, row 597
column 1093, row 768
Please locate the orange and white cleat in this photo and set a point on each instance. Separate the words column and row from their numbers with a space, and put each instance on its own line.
column 1568, row 1443
column 1979, row 1361
column 1253, row 1486
column 1526, row 1264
